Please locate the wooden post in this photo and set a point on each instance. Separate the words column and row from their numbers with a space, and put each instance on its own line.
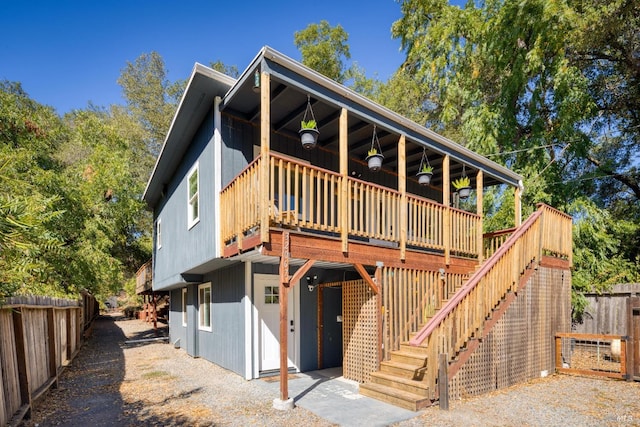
column 480, row 212
column 21, row 353
column 51, row 334
column 446, row 221
column 378, row 277
column 558, row 352
column 70, row 339
column 518, row 207
column 402, row 188
column 443, row 381
column 283, row 296
column 344, row 173
column 265, row 137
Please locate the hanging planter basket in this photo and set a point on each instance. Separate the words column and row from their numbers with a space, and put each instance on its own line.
column 462, row 185
column 374, row 155
column 425, row 170
column 308, row 128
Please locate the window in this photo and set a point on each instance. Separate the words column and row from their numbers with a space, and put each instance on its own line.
column 271, row 295
column 204, row 304
column 159, row 233
column 184, row 307
column 193, row 195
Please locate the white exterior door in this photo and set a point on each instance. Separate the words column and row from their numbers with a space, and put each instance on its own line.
column 267, row 301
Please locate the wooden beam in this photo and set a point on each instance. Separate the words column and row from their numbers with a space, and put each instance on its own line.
column 518, row 208
column 265, row 137
column 402, row 188
column 284, row 258
column 301, row 272
column 365, row 275
column 446, row 201
column 479, row 211
column 344, row 173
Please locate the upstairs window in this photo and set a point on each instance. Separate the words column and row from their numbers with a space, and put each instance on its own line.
column 159, row 233
column 193, row 194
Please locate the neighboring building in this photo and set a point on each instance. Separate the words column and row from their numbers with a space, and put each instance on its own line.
column 257, row 237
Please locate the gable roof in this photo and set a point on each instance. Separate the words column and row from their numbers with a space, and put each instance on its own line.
column 292, row 84
column 203, row 86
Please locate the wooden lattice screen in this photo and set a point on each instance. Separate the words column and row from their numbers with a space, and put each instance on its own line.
column 520, row 345
column 359, row 330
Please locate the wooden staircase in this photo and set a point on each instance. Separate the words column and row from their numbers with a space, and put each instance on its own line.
column 409, row 378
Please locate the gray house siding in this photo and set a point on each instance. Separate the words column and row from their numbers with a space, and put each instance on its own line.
column 182, row 247
column 176, row 330
column 224, row 344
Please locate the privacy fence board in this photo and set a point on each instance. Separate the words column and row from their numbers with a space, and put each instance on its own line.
column 606, row 313
column 519, row 347
column 38, row 335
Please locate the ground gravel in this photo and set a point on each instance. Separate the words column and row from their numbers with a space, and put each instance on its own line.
column 114, row 383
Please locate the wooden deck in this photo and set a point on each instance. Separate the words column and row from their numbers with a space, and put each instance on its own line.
column 305, row 198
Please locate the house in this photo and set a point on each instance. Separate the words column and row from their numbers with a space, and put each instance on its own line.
column 281, row 257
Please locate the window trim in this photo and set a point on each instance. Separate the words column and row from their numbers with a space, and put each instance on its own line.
column 159, row 233
column 201, row 312
column 196, row 196
column 184, row 306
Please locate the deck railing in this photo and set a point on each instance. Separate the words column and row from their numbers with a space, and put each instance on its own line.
column 314, row 199
column 144, row 277
column 461, row 317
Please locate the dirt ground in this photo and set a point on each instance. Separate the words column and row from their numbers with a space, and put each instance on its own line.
column 122, row 377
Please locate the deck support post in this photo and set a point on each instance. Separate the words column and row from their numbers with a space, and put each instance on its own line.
column 344, row 173
column 479, row 211
column 265, row 129
column 402, row 188
column 286, row 283
column 446, row 201
column 518, row 206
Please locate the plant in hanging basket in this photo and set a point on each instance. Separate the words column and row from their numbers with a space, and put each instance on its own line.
column 374, row 160
column 424, row 175
column 308, row 133
column 463, row 185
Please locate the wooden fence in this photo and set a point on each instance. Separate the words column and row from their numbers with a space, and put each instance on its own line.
column 38, row 337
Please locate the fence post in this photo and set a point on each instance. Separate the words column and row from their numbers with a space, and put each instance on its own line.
column 21, row 353
column 443, row 381
column 558, row 352
column 51, row 344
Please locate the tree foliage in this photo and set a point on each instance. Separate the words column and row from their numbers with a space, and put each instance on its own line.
column 324, row 48
column 548, row 88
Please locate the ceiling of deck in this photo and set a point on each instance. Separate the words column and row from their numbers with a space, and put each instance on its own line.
column 288, row 105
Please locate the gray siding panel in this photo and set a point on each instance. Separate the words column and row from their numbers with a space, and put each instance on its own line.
column 176, row 330
column 224, row 345
column 184, row 248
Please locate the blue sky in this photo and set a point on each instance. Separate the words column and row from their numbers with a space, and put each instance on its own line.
column 69, row 53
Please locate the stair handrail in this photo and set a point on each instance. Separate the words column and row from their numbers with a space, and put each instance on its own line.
column 450, row 305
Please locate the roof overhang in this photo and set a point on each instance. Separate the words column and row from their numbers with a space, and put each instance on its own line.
column 331, row 96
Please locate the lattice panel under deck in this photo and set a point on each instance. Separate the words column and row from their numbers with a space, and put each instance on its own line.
column 360, row 330
column 520, row 346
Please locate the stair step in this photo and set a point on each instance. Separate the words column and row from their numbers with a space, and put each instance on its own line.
column 404, row 399
column 408, row 357
column 408, row 348
column 402, row 369
column 419, row 388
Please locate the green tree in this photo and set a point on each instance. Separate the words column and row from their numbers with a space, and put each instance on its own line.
column 324, row 48
column 550, row 89
column 151, row 98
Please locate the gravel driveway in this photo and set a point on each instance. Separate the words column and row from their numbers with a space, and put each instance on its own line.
column 111, row 383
